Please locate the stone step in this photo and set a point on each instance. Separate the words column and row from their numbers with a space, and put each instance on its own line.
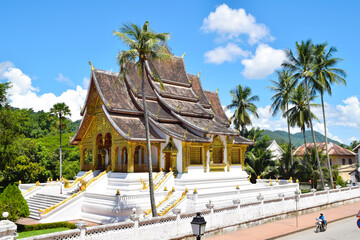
column 46, row 201
column 48, row 196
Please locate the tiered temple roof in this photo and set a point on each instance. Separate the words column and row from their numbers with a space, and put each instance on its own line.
column 182, row 109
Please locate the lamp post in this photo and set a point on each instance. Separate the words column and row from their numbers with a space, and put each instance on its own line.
column 297, row 198
column 198, row 226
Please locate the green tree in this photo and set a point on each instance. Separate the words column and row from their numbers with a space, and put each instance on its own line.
column 12, row 201
column 242, row 102
column 3, row 99
column 285, row 167
column 302, row 63
column 326, row 74
column 283, row 88
column 144, row 46
column 258, row 163
column 299, row 114
column 60, row 110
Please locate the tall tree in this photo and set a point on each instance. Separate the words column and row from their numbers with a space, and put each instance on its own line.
column 242, row 102
column 299, row 114
column 327, row 74
column 283, row 89
column 302, row 63
column 60, row 110
column 144, row 46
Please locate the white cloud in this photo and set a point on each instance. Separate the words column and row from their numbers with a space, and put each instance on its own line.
column 85, row 82
column 24, row 95
column 231, row 23
column 61, row 78
column 264, row 63
column 222, row 54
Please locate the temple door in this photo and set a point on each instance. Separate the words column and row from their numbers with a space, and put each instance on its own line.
column 167, row 161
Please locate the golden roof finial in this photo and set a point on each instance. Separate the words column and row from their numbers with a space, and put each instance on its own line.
column 198, row 75
column 207, row 127
column 128, row 134
column 157, row 112
column 217, row 91
column 178, row 107
column 185, row 133
column 92, row 67
column 197, row 96
column 182, row 56
column 109, row 104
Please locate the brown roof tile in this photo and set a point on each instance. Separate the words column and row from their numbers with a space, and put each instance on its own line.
column 216, row 105
column 334, row 150
column 207, row 125
column 172, row 71
column 196, row 86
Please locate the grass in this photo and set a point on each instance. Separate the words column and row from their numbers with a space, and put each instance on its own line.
column 39, row 232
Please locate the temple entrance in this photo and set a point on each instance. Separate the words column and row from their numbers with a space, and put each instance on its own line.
column 167, row 161
column 104, row 151
column 122, row 160
column 140, row 159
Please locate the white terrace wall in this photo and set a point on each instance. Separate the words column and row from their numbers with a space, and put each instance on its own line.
column 235, row 216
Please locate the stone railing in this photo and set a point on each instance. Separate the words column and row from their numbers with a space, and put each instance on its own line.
column 262, row 208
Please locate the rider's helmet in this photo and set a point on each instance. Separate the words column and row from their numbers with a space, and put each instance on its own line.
column 321, row 213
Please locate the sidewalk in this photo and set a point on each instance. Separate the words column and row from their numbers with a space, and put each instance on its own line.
column 288, row 226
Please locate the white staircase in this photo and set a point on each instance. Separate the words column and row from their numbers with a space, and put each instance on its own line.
column 42, row 201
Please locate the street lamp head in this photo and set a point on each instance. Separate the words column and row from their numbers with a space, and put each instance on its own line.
column 198, row 225
column 5, row 215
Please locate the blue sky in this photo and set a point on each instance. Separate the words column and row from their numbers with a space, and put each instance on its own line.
column 45, row 47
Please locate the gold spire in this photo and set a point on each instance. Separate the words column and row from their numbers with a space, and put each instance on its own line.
column 207, row 128
column 128, row 134
column 198, row 75
column 157, row 112
column 182, row 56
column 185, row 133
column 217, row 91
column 178, row 107
column 92, row 67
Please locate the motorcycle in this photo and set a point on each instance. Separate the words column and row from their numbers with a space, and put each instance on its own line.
column 320, row 225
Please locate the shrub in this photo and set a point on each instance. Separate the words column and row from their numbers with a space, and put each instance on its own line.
column 25, row 228
column 13, row 202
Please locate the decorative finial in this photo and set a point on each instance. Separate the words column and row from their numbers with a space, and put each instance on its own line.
column 195, row 191
column 217, row 91
column 185, row 133
column 80, row 109
column 19, row 182
column 173, row 189
column 118, row 192
column 198, row 75
column 165, row 188
column 182, row 56
column 210, row 102
column 237, row 187
column 128, row 134
column 197, row 96
column 178, row 107
column 258, row 177
column 207, row 127
column 109, row 104
column 136, row 89
column 157, row 112
column 92, row 67
column 186, row 190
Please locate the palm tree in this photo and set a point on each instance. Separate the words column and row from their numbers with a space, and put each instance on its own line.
column 299, row 114
column 326, row 75
column 60, row 110
column 302, row 64
column 258, row 163
column 283, row 89
column 242, row 102
column 285, row 168
column 144, row 46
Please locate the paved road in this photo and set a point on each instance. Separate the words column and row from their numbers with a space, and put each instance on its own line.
column 343, row 229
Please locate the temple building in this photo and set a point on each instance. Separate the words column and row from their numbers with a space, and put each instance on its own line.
column 189, row 130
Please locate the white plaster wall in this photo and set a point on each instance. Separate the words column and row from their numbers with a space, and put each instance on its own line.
column 178, row 145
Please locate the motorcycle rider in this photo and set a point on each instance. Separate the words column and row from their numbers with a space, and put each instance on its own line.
column 323, row 219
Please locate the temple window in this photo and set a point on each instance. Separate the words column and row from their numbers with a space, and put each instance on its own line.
column 235, row 156
column 350, row 161
column 218, row 150
column 343, row 162
column 196, row 155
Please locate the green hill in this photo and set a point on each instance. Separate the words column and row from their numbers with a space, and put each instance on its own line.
column 297, row 139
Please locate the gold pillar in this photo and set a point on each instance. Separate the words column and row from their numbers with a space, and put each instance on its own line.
column 185, row 156
column 229, row 157
column 242, row 156
column 130, row 162
column 95, row 157
column 113, row 157
column 81, row 149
